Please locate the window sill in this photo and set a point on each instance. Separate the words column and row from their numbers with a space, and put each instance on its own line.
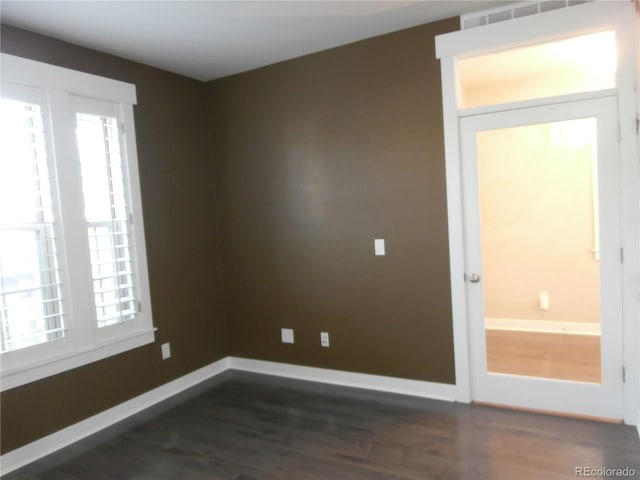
column 51, row 366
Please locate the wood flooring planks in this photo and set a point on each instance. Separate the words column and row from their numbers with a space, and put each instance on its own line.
column 255, row 427
column 547, row 355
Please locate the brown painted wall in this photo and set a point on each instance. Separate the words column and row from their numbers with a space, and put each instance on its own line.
column 182, row 232
column 320, row 155
column 312, row 159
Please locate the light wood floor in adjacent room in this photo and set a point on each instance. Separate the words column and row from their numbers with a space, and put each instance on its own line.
column 548, row 355
column 248, row 426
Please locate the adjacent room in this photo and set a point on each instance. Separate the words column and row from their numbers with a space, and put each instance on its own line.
column 319, row 240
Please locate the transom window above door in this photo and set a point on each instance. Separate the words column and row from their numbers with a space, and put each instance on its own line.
column 584, row 63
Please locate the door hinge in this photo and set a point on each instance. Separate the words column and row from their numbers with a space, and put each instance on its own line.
column 122, row 129
column 624, row 374
column 619, row 133
column 621, row 255
column 131, row 219
column 139, row 307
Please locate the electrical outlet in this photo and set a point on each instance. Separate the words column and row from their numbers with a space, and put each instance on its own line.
column 324, row 339
column 287, row 335
column 166, row 350
column 544, row 300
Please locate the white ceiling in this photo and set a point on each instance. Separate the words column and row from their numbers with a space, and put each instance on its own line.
column 212, row 39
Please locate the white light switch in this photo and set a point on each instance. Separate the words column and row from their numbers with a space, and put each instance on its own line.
column 166, row 350
column 378, row 246
column 287, row 335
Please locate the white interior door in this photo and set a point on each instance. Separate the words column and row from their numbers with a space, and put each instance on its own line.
column 543, row 257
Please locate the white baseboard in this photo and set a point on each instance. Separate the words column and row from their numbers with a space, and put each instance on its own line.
column 62, row 438
column 416, row 388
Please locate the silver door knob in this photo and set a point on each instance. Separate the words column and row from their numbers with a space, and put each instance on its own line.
column 474, row 277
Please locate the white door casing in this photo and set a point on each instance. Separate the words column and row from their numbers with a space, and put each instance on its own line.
column 585, row 18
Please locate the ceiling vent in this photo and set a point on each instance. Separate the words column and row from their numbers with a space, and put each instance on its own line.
column 508, row 12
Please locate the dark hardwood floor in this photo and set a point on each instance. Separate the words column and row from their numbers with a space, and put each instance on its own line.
column 245, row 426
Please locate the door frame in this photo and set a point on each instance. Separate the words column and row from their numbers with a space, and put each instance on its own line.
column 569, row 21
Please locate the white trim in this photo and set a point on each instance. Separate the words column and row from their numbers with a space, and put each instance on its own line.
column 31, row 372
column 62, row 438
column 630, row 212
column 416, row 388
column 588, row 17
column 456, row 231
column 536, row 102
column 43, row 75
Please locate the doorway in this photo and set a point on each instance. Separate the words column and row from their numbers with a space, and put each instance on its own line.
column 542, row 236
column 505, row 37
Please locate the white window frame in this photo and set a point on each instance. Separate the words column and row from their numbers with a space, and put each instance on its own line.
column 84, row 342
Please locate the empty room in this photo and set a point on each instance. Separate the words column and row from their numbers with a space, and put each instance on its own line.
column 300, row 240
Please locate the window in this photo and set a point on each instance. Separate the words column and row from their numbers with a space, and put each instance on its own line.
column 106, row 211
column 73, row 277
column 30, row 295
column 582, row 63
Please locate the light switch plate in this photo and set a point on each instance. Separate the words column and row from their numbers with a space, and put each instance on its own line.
column 287, row 335
column 378, row 247
column 166, row 350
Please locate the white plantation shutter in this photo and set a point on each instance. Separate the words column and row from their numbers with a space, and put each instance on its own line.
column 107, row 212
column 31, row 304
column 73, row 276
